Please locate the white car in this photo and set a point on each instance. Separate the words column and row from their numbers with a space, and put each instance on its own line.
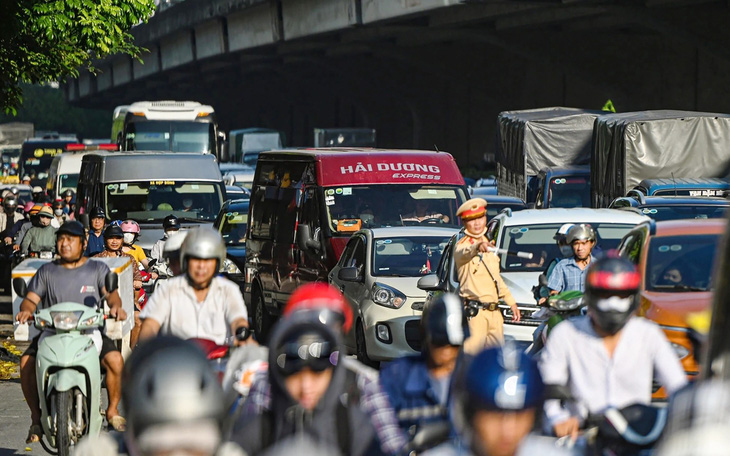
column 377, row 273
column 532, row 231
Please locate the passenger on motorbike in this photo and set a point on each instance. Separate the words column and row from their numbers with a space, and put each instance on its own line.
column 199, row 303
column 32, row 220
column 174, row 406
column 327, row 305
column 569, row 274
column 419, row 386
column 9, row 215
column 308, row 393
column 97, row 220
column 171, row 225
column 566, row 251
column 607, row 358
column 71, row 278
column 40, row 238
column 131, row 231
column 58, row 212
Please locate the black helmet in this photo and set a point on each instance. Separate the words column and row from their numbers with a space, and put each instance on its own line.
column 170, row 223
column 14, row 191
column 113, row 231
column 73, row 228
column 443, row 322
column 304, row 343
column 58, row 204
column 68, row 192
column 611, row 292
column 10, row 203
column 97, row 212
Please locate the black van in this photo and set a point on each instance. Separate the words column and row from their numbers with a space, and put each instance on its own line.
column 305, row 204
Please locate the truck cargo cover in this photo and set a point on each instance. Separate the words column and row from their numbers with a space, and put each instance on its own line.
column 630, row 147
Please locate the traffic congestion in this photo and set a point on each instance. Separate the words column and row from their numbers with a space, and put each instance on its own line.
column 224, row 294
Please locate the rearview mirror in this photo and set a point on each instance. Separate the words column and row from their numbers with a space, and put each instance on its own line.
column 429, row 282
column 305, row 239
column 111, row 282
column 151, row 263
column 20, row 287
column 350, row 274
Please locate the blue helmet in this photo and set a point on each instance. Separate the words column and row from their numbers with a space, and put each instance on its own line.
column 502, row 378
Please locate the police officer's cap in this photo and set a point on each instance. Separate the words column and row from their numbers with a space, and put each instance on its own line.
column 472, row 209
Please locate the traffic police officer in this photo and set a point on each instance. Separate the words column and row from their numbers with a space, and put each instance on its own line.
column 481, row 285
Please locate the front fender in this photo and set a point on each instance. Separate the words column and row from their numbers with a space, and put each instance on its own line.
column 65, row 380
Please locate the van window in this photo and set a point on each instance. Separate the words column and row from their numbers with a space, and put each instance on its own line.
column 276, row 200
column 153, row 201
column 263, row 206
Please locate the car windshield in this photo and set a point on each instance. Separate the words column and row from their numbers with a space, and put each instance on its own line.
column 352, row 208
column 153, row 201
column 174, row 136
column 233, row 226
column 570, row 191
column 538, row 240
column 681, row 263
column 677, row 212
column 411, row 256
column 68, row 182
column 495, row 208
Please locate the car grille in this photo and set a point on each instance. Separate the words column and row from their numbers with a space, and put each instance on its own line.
column 526, row 312
column 413, row 334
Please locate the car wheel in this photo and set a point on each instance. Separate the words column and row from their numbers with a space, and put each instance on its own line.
column 362, row 351
column 261, row 317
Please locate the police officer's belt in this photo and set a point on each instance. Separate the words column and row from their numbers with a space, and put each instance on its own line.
column 481, row 305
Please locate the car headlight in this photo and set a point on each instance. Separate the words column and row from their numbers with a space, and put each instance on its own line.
column 387, row 296
column 680, row 350
column 65, row 321
column 229, row 267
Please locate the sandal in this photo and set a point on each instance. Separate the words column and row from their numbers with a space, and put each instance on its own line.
column 118, row 423
column 34, row 433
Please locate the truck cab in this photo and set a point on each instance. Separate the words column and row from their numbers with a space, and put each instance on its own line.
column 563, row 187
column 692, row 187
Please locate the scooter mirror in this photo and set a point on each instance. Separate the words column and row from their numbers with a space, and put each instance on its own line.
column 20, row 287
column 152, row 262
column 111, row 282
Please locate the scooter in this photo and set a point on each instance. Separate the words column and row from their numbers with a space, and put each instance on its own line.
column 556, row 309
column 68, row 372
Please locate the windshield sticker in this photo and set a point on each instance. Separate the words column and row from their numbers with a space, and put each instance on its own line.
column 432, row 192
column 347, row 191
column 330, row 192
column 122, row 187
column 705, row 192
column 524, row 229
column 383, row 241
column 559, row 181
column 649, row 211
column 162, row 182
column 338, row 191
column 194, row 186
column 112, row 187
column 675, row 248
column 515, row 265
column 329, row 200
column 383, row 269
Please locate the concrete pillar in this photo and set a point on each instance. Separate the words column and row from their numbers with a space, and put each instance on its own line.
column 177, row 50
column 122, row 71
column 209, row 39
column 150, row 63
column 251, row 28
column 311, row 17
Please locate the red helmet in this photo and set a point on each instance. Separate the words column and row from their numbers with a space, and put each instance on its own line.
column 323, row 298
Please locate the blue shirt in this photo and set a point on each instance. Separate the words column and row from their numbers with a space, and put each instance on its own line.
column 95, row 244
column 567, row 276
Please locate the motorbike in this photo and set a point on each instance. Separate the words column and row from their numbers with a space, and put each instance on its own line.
column 556, row 309
column 68, row 371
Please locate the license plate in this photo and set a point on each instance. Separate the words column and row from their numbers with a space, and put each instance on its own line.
column 46, row 256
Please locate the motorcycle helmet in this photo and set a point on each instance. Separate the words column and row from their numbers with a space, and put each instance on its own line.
column 170, row 223
column 580, row 232
column 612, row 292
column 202, row 243
column 444, row 322
column 97, row 212
column 10, row 205
column 57, row 208
column 172, row 398
column 131, row 231
column 325, row 301
column 68, row 193
column 305, row 342
column 28, row 206
column 560, row 238
column 113, row 231
column 14, row 191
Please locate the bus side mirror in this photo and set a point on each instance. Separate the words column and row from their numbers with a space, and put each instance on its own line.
column 305, row 239
column 223, row 147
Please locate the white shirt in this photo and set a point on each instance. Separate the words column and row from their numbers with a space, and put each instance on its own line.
column 575, row 356
column 174, row 306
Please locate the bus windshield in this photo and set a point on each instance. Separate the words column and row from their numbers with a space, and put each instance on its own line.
column 68, row 182
column 369, row 206
column 36, row 158
column 153, row 201
column 174, row 136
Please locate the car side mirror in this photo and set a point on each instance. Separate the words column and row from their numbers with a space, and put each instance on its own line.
column 111, row 282
column 429, row 282
column 350, row 274
column 20, row 287
column 305, row 239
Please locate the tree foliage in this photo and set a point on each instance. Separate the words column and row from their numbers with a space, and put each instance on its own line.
column 49, row 40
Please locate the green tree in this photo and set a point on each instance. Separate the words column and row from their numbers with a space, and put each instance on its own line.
column 49, row 40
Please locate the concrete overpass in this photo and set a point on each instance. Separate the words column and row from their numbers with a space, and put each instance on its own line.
column 424, row 73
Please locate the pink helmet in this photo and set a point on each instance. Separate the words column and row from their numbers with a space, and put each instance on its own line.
column 28, row 206
column 130, row 226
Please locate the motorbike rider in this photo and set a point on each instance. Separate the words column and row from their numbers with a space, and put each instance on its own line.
column 9, row 216
column 68, row 201
column 199, row 303
column 42, row 237
column 71, row 277
column 569, row 274
column 39, row 196
column 97, row 221
column 481, row 286
column 308, row 393
column 607, row 358
column 131, row 231
column 61, row 216
column 171, row 254
column 171, row 225
column 174, row 406
column 497, row 404
column 27, row 225
column 11, row 230
column 418, row 386
column 566, row 251
column 327, row 305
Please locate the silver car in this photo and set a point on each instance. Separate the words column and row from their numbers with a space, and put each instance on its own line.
column 377, row 273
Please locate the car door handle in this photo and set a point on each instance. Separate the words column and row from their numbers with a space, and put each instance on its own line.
column 342, row 289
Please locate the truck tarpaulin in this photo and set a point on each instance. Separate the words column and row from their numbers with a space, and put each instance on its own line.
column 531, row 140
column 633, row 146
column 377, row 167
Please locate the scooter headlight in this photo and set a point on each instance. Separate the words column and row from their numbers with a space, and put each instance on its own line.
column 229, row 267
column 570, row 304
column 66, row 321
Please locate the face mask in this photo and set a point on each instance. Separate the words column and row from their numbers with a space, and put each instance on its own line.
column 58, row 212
column 566, row 251
column 128, row 238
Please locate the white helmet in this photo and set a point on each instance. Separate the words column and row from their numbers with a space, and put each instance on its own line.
column 203, row 243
